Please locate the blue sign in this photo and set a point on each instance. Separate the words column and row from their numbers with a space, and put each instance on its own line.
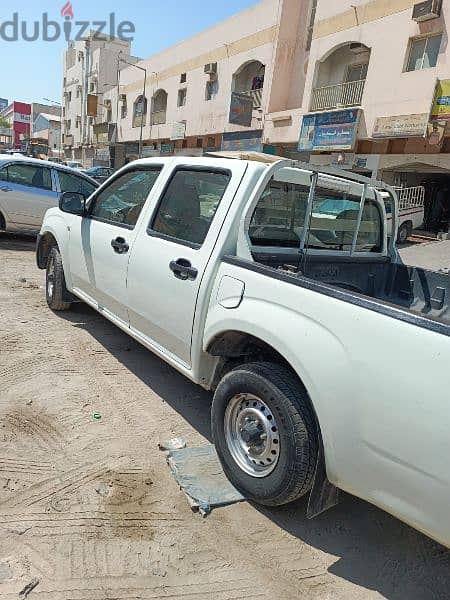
column 329, row 131
column 243, row 140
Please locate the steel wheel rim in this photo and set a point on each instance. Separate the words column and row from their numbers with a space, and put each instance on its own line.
column 51, row 278
column 252, row 435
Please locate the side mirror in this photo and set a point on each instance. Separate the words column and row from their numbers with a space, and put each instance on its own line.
column 73, row 203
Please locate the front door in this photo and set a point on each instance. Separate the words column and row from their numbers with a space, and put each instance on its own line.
column 169, row 259
column 100, row 243
column 27, row 191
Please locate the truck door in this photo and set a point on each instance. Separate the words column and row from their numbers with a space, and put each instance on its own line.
column 100, row 243
column 169, row 258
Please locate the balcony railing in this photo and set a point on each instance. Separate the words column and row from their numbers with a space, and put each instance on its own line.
column 158, row 117
column 256, row 95
column 336, row 96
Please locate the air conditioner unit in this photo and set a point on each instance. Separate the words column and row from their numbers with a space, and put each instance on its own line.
column 356, row 48
column 210, row 68
column 424, row 11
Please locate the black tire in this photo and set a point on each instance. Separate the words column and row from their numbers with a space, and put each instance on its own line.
column 403, row 233
column 286, row 398
column 55, row 282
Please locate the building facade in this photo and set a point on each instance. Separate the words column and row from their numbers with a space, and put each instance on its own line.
column 18, row 115
column 90, row 69
column 227, row 87
column 47, row 130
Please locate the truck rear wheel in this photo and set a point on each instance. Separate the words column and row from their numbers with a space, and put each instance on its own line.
column 265, row 433
column 404, row 232
column 55, row 283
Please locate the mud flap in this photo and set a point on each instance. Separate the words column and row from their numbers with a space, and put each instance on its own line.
column 323, row 495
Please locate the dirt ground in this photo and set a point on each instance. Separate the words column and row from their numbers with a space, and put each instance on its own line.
column 89, row 510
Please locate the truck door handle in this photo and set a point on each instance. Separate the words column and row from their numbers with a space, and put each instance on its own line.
column 5, row 188
column 120, row 245
column 182, row 269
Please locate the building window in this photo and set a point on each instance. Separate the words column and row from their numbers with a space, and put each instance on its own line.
column 211, row 142
column 69, row 97
column 423, row 52
column 140, row 111
column 183, row 78
column 92, row 87
column 124, row 108
column 356, row 72
column 211, row 89
column 199, row 143
column 181, row 97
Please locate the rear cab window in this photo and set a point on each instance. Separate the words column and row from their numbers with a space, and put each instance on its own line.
column 281, row 216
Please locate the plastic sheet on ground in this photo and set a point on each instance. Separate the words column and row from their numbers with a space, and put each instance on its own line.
column 200, row 475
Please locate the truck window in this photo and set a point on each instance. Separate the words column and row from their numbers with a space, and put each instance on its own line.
column 189, row 203
column 279, row 217
column 122, row 200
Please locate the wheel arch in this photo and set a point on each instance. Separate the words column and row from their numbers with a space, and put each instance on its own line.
column 45, row 243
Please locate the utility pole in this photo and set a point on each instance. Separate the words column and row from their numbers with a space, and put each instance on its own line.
column 144, row 101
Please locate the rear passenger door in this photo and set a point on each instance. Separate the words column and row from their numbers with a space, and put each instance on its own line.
column 169, row 258
column 27, row 191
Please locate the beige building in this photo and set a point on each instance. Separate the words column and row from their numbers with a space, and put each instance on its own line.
column 90, row 70
column 348, row 83
column 238, row 84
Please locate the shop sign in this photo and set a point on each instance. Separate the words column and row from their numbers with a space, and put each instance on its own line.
column 167, row 148
column 441, row 101
column 250, row 141
column 132, row 148
column 329, row 131
column 241, row 109
column 401, row 126
column 149, row 151
column 102, row 154
column 178, row 130
column 436, row 132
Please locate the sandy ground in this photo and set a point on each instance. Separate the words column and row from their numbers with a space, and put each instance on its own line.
column 89, row 510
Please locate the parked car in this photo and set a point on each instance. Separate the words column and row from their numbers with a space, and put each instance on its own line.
column 73, row 164
column 57, row 160
column 328, row 357
column 98, row 173
column 29, row 187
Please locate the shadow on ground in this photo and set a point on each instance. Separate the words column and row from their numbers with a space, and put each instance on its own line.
column 373, row 549
column 22, row 243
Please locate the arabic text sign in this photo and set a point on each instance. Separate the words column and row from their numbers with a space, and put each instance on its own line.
column 441, row 102
column 329, row 131
column 401, row 126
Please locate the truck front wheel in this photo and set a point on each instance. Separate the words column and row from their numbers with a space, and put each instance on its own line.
column 265, row 433
column 55, row 283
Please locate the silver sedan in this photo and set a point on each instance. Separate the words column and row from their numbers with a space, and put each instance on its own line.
column 29, row 187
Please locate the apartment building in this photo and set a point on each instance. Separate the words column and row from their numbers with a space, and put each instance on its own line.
column 374, row 66
column 18, row 116
column 236, row 85
column 90, row 69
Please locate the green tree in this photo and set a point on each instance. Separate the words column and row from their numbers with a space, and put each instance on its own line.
column 4, row 123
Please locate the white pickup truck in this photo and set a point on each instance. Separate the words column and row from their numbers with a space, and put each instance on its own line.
column 329, row 359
